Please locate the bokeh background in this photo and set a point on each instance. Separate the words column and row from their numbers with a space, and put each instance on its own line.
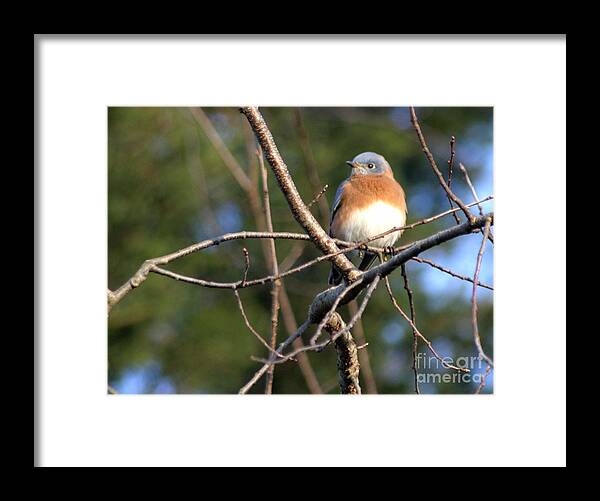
column 169, row 187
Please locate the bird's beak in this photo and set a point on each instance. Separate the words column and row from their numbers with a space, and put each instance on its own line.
column 349, row 163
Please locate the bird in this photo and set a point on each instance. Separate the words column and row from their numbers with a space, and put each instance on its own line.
column 369, row 202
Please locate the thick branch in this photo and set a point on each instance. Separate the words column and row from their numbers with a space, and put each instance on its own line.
column 363, row 352
column 325, row 299
column 299, row 210
column 348, row 365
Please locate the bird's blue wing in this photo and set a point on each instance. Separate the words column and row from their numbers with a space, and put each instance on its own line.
column 337, row 201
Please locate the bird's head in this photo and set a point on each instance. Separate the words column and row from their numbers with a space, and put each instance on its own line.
column 369, row 163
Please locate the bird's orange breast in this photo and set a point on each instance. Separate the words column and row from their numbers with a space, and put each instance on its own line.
column 363, row 191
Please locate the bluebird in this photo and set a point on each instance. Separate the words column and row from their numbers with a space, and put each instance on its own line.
column 366, row 204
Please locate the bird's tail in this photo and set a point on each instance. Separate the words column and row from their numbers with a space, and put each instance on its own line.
column 367, row 260
column 335, row 276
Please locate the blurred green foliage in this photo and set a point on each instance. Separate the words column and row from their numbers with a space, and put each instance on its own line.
column 169, row 188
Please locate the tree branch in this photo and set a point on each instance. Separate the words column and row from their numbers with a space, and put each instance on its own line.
column 450, row 172
column 413, row 318
column 474, row 193
column 297, row 206
column 363, row 354
column 274, row 269
column 328, row 299
column 449, row 192
column 482, row 355
column 450, row 272
column 151, row 265
column 418, row 332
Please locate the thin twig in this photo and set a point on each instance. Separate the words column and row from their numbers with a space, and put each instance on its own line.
column 463, row 169
column 228, row 159
column 363, row 353
column 335, row 333
column 246, row 266
column 476, row 336
column 249, row 325
column 331, row 311
column 418, row 333
column 413, row 317
column 318, row 196
column 483, row 380
column 241, row 305
column 450, row 272
column 259, row 373
column 450, row 194
column 310, row 164
column 450, row 169
column 274, row 268
column 291, row 326
column 293, row 255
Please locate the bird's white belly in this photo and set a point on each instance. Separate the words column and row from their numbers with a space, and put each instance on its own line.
column 377, row 218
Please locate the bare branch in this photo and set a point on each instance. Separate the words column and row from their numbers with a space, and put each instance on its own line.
column 259, row 373
column 413, row 317
column 347, row 353
column 418, row 333
column 318, row 196
column 325, row 320
column 450, row 172
column 228, row 159
column 451, row 196
column 450, row 272
column 291, row 326
column 474, row 193
column 463, row 169
column 249, row 325
column 483, row 380
column 246, row 266
column 151, row 265
column 274, row 269
column 335, row 333
column 299, row 210
column 363, row 353
column 476, row 336
column 348, row 365
column 311, row 166
column 325, row 300
column 288, row 261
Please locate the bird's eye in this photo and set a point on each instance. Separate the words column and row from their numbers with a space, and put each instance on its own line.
column 371, row 166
